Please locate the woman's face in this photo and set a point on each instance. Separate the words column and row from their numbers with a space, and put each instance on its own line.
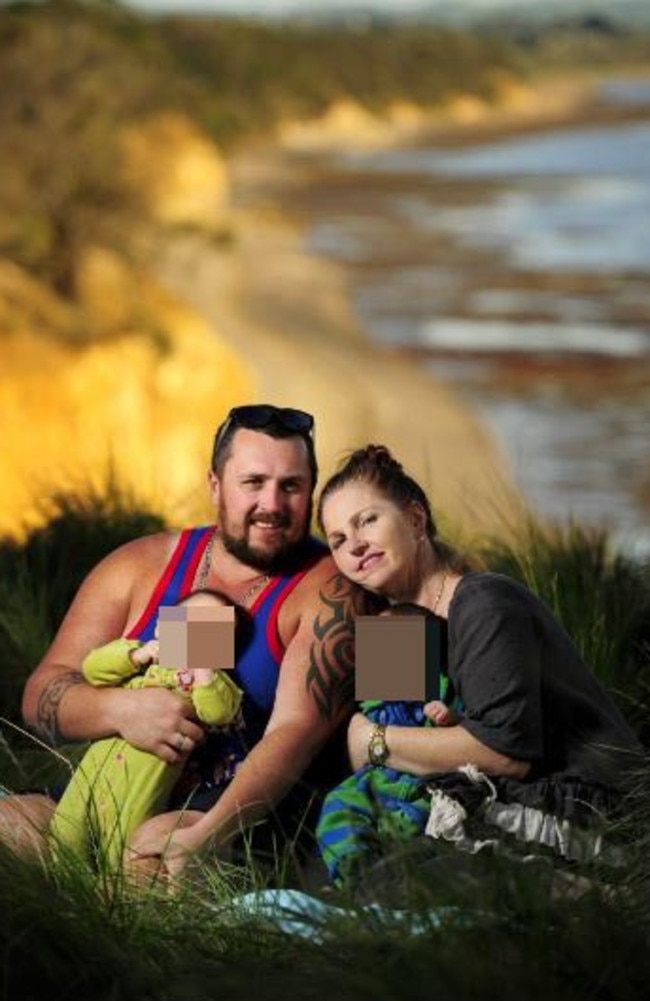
column 373, row 541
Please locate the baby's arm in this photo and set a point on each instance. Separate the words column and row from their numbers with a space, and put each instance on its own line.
column 146, row 654
column 113, row 663
column 217, row 701
column 440, row 714
column 202, row 676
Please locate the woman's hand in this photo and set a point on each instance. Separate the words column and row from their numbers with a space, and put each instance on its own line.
column 359, row 731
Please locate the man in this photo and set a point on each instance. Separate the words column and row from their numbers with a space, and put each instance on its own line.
column 298, row 673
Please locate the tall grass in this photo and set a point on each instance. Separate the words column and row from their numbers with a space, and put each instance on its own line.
column 601, row 597
column 493, row 925
column 38, row 580
column 507, row 929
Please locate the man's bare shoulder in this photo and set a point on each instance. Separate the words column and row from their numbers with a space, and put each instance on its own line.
column 321, row 570
column 324, row 584
column 146, row 555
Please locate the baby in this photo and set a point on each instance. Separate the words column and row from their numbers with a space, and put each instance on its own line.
column 378, row 800
column 117, row 786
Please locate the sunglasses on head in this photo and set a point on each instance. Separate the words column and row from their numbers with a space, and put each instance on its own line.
column 261, row 415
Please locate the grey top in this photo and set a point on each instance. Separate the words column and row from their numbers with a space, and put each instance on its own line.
column 525, row 689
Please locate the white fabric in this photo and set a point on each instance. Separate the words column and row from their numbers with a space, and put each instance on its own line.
column 447, row 820
column 529, row 824
column 446, row 817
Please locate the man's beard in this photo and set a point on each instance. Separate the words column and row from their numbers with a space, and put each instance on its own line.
column 282, row 559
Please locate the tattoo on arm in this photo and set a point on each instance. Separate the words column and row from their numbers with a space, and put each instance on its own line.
column 330, row 677
column 49, row 701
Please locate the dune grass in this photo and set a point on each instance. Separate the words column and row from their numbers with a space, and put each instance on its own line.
column 496, row 924
column 494, row 927
column 38, row 580
column 602, row 598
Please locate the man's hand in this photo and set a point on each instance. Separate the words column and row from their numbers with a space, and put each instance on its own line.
column 158, row 721
column 165, row 844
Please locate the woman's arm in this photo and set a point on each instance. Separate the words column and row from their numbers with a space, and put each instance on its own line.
column 428, row 750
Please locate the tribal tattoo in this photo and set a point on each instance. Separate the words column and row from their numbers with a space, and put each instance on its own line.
column 48, row 705
column 330, row 678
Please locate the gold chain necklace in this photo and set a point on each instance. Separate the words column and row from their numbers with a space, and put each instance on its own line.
column 202, row 579
column 254, row 588
column 206, row 565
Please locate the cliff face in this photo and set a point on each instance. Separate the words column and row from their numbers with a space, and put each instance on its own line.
column 289, row 316
column 142, row 403
column 178, row 172
column 126, row 377
column 133, row 376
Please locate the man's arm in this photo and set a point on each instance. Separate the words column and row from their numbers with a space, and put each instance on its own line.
column 315, row 694
column 60, row 705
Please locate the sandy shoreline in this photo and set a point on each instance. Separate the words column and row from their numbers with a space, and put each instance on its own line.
column 289, row 316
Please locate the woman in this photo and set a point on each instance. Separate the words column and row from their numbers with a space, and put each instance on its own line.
column 542, row 737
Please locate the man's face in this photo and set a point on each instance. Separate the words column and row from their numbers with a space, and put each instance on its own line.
column 263, row 498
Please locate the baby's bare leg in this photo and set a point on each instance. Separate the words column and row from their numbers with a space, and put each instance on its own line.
column 24, row 820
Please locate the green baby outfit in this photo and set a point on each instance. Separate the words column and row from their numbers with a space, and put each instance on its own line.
column 116, row 786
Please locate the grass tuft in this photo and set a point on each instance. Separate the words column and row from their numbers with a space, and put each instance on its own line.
column 425, row 918
column 602, row 599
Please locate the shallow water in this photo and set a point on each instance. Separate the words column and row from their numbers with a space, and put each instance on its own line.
column 520, row 269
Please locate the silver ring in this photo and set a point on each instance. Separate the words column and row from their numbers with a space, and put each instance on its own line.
column 180, row 743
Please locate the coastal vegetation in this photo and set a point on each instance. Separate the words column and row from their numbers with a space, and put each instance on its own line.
column 114, row 134
column 504, row 923
column 90, row 348
column 74, row 74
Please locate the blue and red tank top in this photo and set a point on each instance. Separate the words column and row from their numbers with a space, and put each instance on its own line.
column 258, row 656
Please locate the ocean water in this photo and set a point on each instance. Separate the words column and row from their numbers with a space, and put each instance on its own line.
column 577, row 200
column 521, row 270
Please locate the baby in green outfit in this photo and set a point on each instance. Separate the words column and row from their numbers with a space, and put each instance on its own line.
column 116, row 786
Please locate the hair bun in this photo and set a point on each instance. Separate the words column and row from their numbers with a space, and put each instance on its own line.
column 374, row 464
column 378, row 456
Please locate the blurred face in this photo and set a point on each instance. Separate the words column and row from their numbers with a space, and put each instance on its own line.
column 263, row 499
column 374, row 542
